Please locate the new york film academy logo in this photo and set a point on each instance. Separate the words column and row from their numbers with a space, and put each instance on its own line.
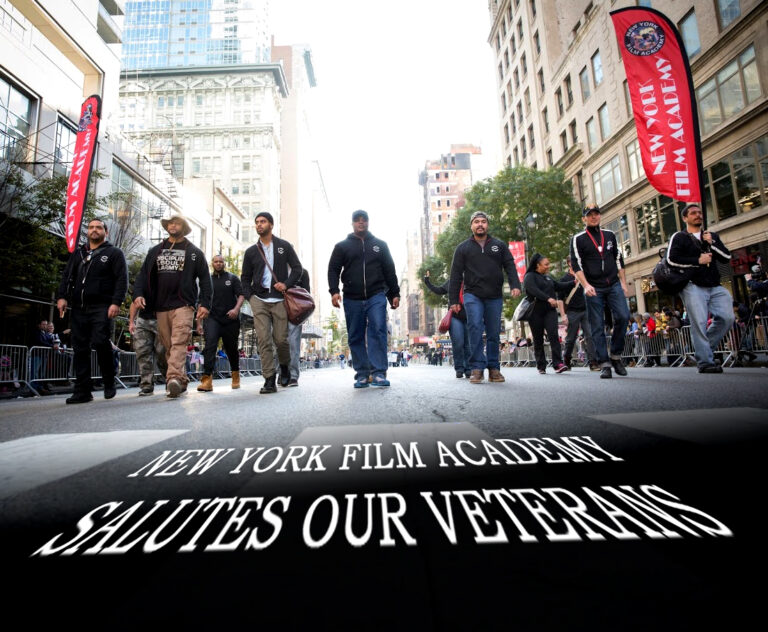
column 644, row 38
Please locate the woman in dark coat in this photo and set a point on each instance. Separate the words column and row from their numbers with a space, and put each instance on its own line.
column 539, row 286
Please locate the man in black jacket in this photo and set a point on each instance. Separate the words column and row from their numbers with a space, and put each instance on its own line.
column 263, row 286
column 573, row 310
column 457, row 331
column 598, row 264
column 703, row 296
column 223, row 322
column 94, row 284
column 168, row 285
column 367, row 270
column 294, row 337
column 480, row 262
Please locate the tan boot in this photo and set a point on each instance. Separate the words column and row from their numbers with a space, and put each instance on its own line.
column 476, row 377
column 235, row 379
column 206, row 386
column 494, row 375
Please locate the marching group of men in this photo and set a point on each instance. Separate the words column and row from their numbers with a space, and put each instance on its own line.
column 174, row 287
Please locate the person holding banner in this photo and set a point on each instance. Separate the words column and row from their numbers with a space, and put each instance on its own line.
column 703, row 295
column 94, row 285
column 598, row 264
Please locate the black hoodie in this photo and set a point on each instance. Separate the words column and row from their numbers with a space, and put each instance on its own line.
column 365, row 266
column 98, row 280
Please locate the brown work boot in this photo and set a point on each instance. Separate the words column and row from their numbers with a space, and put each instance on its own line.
column 476, row 377
column 206, row 385
column 494, row 375
column 235, row 379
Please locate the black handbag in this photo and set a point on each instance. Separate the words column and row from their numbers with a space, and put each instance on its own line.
column 524, row 309
column 672, row 279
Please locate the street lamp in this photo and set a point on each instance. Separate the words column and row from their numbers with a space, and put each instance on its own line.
column 522, row 229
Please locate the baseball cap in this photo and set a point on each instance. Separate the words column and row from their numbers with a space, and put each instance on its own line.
column 589, row 208
column 478, row 214
column 360, row 213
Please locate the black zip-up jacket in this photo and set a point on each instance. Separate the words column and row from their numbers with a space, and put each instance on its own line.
column 365, row 266
column 195, row 273
column 600, row 269
column 482, row 269
column 544, row 287
column 442, row 290
column 253, row 269
column 101, row 281
column 684, row 250
column 226, row 289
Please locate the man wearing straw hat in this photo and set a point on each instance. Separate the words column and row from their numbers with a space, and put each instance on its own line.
column 168, row 284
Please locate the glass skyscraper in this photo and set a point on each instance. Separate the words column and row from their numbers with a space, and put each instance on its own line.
column 178, row 33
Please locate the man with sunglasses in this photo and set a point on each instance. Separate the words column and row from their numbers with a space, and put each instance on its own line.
column 703, row 296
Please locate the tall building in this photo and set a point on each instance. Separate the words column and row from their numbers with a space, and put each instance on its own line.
column 180, row 33
column 563, row 101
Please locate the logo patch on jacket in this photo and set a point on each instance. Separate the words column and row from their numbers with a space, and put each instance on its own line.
column 495, row 248
column 194, row 256
column 104, row 258
column 376, row 249
column 227, row 282
column 281, row 250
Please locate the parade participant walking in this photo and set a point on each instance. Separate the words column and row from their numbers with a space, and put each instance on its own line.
column 573, row 310
column 264, row 265
column 479, row 263
column 94, row 285
column 541, row 288
column 222, row 323
column 168, row 285
column 142, row 324
column 703, row 296
column 458, row 329
column 365, row 266
column 598, row 264
column 294, row 337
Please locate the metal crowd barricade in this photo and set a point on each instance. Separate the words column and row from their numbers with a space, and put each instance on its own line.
column 48, row 365
column 14, row 369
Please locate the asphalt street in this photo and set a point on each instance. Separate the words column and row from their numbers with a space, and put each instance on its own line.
column 547, row 502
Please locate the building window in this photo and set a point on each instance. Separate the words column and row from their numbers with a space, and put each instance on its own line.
column 634, row 161
column 503, row 103
column 559, row 101
column 689, row 29
column 506, row 134
column 605, row 125
column 620, row 228
column 520, row 30
column 498, row 42
column 584, row 81
column 533, row 8
column 597, row 69
column 516, row 77
column 657, row 221
column 501, row 72
column 66, row 136
column 564, row 141
column 527, row 99
column 523, row 148
column 729, row 91
column 542, row 85
column 606, row 181
column 727, row 11
column 514, row 124
column 574, row 134
column 569, row 90
column 537, row 43
column 517, row 156
column 531, row 139
column 15, row 118
column 580, row 190
column 520, row 113
column 524, row 64
column 592, row 140
column 627, row 99
column 506, row 59
column 549, row 158
column 545, row 119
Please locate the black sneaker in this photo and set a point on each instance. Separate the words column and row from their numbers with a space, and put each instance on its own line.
column 459, row 374
column 605, row 373
column 147, row 390
column 618, row 366
column 110, row 392
column 293, row 382
column 285, row 375
column 710, row 368
column 80, row 398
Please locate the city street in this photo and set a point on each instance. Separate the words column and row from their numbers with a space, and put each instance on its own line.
column 547, row 502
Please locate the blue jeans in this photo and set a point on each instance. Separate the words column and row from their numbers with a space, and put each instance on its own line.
column 614, row 298
column 700, row 302
column 483, row 314
column 460, row 343
column 367, row 319
column 294, row 342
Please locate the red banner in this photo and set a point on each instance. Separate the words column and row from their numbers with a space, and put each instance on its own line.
column 82, row 163
column 517, row 248
column 663, row 102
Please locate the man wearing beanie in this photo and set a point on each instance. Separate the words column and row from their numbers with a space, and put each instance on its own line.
column 480, row 263
column 270, row 267
column 367, row 270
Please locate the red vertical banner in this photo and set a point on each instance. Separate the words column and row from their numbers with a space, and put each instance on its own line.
column 661, row 90
column 517, row 248
column 82, row 164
